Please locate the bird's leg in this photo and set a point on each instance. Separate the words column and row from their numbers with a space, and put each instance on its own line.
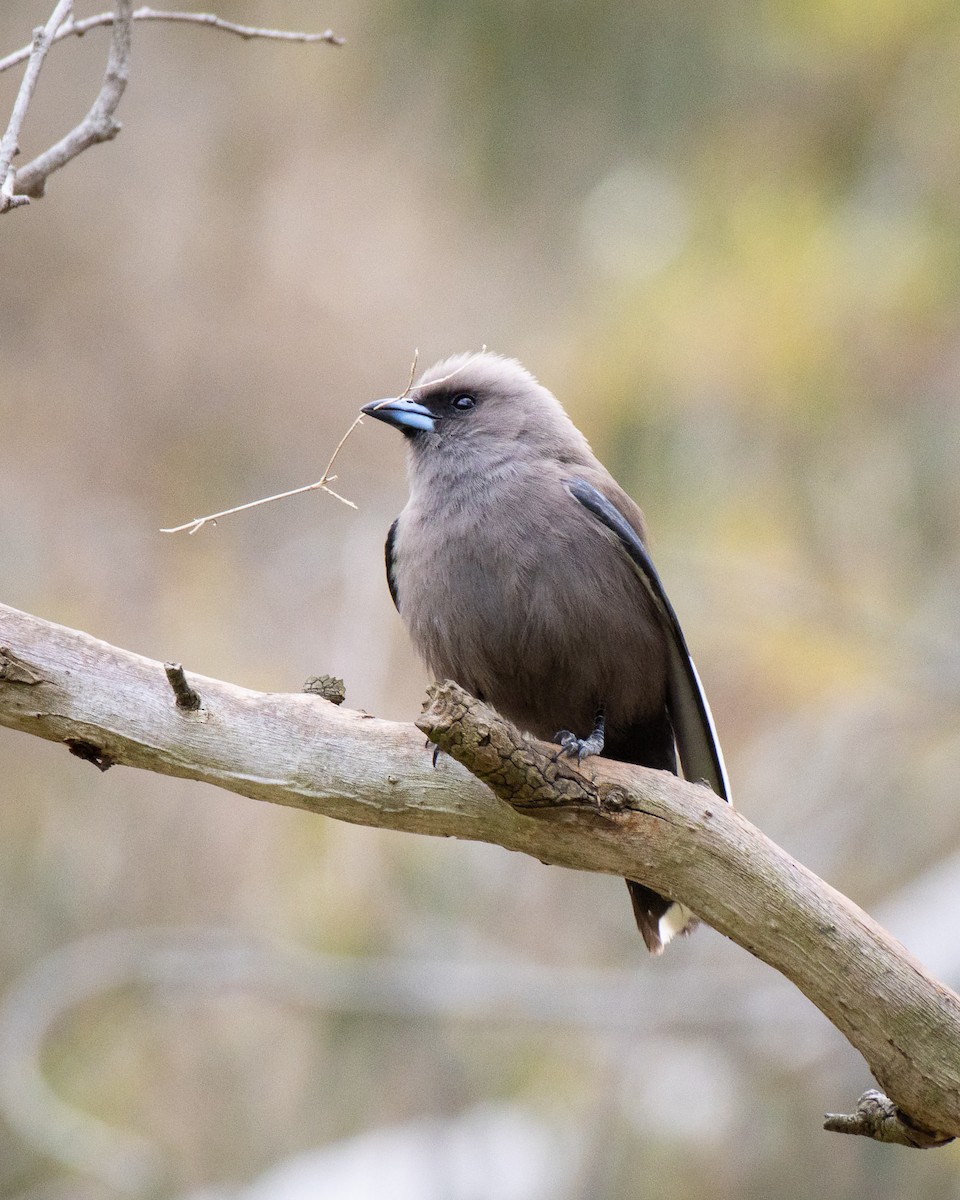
column 571, row 745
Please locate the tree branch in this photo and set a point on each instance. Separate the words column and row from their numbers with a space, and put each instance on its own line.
column 99, row 125
column 43, row 38
column 17, row 187
column 303, row 751
column 74, row 28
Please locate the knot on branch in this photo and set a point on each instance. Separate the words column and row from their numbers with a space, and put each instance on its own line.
column 328, row 686
column 105, row 129
column 14, row 669
column 90, row 753
column 518, row 769
column 188, row 699
column 879, row 1118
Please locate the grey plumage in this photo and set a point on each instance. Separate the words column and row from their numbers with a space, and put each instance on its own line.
column 520, row 569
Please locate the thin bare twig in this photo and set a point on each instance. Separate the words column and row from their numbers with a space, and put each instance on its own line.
column 247, row 32
column 433, row 382
column 17, row 187
column 99, row 125
column 413, row 372
column 43, row 38
column 321, row 485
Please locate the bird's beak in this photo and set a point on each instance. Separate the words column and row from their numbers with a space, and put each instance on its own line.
column 405, row 415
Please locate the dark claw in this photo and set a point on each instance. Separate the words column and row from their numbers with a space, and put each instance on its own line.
column 571, row 746
column 436, row 750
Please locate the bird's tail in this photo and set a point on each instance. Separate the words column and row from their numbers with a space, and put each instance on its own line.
column 658, row 919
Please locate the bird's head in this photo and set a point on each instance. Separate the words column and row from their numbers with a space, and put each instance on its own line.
column 479, row 403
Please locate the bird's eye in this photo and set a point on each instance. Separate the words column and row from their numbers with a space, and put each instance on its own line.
column 463, row 402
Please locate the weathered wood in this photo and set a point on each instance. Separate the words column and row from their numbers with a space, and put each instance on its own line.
column 303, row 751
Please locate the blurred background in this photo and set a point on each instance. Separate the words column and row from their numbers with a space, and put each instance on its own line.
column 728, row 237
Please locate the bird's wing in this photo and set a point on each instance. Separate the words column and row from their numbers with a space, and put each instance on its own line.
column 696, row 737
column 388, row 555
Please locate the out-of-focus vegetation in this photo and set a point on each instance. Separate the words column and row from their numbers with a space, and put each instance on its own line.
column 728, row 237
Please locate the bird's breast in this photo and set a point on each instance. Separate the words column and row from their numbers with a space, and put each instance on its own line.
column 520, row 596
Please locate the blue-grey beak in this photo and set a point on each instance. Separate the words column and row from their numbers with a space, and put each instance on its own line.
column 406, row 415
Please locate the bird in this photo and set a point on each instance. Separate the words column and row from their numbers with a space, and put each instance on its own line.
column 521, row 571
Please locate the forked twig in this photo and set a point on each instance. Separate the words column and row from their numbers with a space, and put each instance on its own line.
column 321, row 485
column 99, row 125
column 43, row 39
column 17, row 187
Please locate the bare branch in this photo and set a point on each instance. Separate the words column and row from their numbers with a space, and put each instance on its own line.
column 247, row 32
column 117, row 708
column 99, row 125
column 707, row 855
column 197, row 523
column 43, row 38
column 17, row 187
column 321, row 485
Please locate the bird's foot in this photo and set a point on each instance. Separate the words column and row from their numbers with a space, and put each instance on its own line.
column 580, row 748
